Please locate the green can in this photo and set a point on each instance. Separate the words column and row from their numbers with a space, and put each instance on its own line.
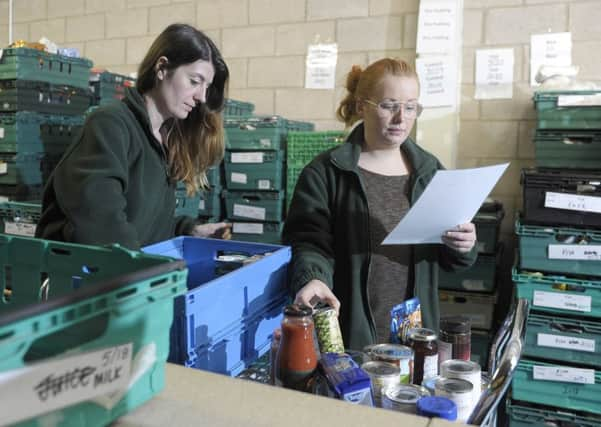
column 328, row 332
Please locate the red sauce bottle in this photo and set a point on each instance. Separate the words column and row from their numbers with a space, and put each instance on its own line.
column 296, row 360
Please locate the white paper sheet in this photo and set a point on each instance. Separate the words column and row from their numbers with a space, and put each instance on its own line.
column 436, row 27
column 549, row 49
column 494, row 74
column 438, row 80
column 453, row 197
column 321, row 66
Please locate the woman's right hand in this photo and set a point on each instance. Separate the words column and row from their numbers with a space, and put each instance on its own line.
column 316, row 291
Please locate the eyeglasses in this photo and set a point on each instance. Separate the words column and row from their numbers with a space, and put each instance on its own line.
column 410, row 109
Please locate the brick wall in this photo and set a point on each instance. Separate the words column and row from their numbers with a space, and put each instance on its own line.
column 264, row 42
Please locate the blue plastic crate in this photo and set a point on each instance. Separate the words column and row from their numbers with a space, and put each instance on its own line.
column 223, row 322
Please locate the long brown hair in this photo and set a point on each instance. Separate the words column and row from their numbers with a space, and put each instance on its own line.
column 361, row 83
column 195, row 143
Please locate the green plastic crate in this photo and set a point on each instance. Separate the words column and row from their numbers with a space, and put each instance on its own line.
column 29, row 132
column 488, row 225
column 98, row 298
column 260, row 232
column 480, row 308
column 254, row 170
column 209, row 205
column 559, row 294
column 541, row 249
column 19, row 218
column 21, row 192
column 299, row 126
column 552, row 116
column 42, row 97
column 256, row 133
column 234, row 108
column 563, row 339
column 521, row 414
column 107, row 87
column 562, row 394
column 33, row 64
column 480, row 347
column 304, row 146
column 480, row 277
column 571, row 149
column 27, row 168
column 214, row 176
column 254, row 205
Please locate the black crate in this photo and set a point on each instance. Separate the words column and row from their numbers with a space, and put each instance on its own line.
column 488, row 225
column 561, row 197
column 41, row 97
column 569, row 149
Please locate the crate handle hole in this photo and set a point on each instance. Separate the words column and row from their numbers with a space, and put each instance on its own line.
column 158, row 282
column 88, row 269
column 460, row 300
column 7, row 335
column 577, row 141
column 561, row 327
column 7, row 292
column 126, row 293
column 60, row 251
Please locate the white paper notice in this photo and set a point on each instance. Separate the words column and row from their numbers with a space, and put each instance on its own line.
column 437, row 78
column 494, row 74
column 247, row 157
column 247, row 228
column 549, row 49
column 573, row 202
column 239, row 178
column 321, row 66
column 1, row 132
column 246, row 211
column 436, row 27
column 453, row 197
column 563, row 374
column 565, row 342
column 45, row 386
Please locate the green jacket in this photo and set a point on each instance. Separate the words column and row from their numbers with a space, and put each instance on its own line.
column 328, row 228
column 112, row 185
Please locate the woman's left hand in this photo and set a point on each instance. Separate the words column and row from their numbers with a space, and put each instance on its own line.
column 219, row 230
column 461, row 238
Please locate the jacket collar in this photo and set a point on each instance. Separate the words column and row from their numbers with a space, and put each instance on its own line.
column 134, row 100
column 346, row 156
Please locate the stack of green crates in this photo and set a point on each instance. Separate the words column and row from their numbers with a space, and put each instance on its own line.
column 107, row 87
column 304, row 146
column 558, row 268
column 42, row 100
column 19, row 218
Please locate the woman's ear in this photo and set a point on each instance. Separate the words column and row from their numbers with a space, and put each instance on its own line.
column 159, row 67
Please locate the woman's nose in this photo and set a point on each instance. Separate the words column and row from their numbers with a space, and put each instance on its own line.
column 200, row 96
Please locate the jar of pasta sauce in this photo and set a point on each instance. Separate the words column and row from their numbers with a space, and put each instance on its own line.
column 425, row 354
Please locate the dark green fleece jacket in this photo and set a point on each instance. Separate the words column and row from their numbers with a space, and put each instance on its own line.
column 112, row 185
column 328, row 229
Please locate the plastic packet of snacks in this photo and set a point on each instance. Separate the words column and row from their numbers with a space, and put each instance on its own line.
column 403, row 317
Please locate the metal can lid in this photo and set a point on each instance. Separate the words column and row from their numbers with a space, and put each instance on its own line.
column 459, row 366
column 325, row 312
column 381, row 369
column 297, row 310
column 392, row 352
column 437, row 406
column 453, row 386
column 406, row 393
column 422, row 334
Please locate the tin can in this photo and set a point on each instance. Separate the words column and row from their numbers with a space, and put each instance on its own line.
column 460, row 392
column 383, row 375
column 403, row 397
column 399, row 355
column 328, row 332
column 464, row 370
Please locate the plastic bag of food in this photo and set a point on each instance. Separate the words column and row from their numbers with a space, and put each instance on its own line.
column 404, row 316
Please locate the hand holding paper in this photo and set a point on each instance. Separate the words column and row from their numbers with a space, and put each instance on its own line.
column 453, row 197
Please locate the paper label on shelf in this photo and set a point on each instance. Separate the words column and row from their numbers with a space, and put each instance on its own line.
column 593, row 100
column 563, row 374
column 201, row 205
column 239, row 178
column 247, row 228
column 264, row 184
column 473, row 285
column 46, row 386
column 573, row 202
column 246, row 211
column 575, row 252
column 19, row 228
column 566, row 342
column 562, row 301
column 1, row 132
column 250, row 157
column 3, row 168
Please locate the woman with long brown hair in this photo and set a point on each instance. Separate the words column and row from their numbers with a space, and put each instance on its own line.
column 116, row 182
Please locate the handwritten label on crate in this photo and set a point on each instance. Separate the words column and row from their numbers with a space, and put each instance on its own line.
column 19, row 228
column 575, row 252
column 573, row 202
column 201, row 205
column 593, row 100
column 247, row 228
column 563, row 374
column 473, row 285
column 562, row 301
column 250, row 157
column 565, row 342
column 239, row 178
column 1, row 132
column 264, row 184
column 246, row 211
column 3, row 168
column 46, row 386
